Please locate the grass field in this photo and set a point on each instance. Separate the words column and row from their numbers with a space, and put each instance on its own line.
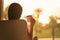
column 48, row 39
column 48, row 33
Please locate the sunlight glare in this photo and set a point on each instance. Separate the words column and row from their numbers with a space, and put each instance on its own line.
column 49, row 7
column 44, row 19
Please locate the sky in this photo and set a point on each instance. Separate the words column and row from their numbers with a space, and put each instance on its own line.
column 49, row 7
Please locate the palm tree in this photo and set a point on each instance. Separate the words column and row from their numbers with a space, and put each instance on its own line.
column 53, row 22
column 37, row 13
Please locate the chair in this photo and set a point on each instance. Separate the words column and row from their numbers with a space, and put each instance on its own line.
column 13, row 30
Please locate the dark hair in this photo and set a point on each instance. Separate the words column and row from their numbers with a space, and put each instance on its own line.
column 14, row 11
column 35, row 38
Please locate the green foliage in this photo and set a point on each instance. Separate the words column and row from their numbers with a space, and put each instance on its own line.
column 46, row 31
column 53, row 19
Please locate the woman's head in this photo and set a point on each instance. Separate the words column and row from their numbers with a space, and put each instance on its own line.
column 14, row 11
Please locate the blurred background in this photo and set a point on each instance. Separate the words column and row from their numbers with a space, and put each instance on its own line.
column 45, row 12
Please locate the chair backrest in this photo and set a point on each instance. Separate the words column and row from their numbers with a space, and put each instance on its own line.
column 13, row 30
